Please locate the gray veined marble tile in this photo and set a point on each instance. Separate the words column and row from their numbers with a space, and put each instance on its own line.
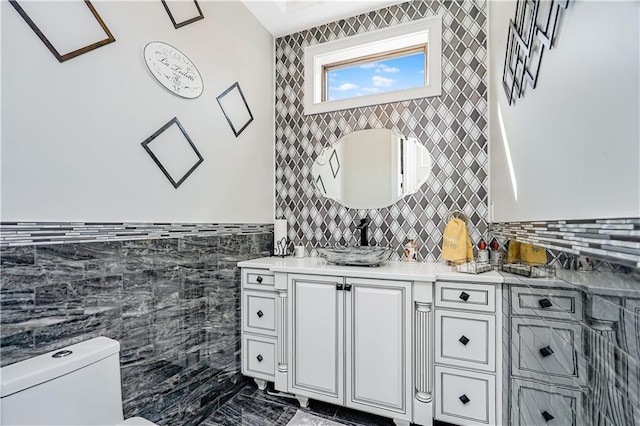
column 17, row 256
column 319, row 408
column 64, row 272
column 79, row 251
column 208, row 392
column 22, row 277
column 60, row 264
column 76, row 330
column 205, row 248
column 97, row 268
column 16, row 347
column 137, row 404
column 134, row 362
column 148, row 247
column 61, row 295
column 137, row 295
column 245, row 411
column 137, row 333
column 194, row 290
column 134, row 263
column 100, row 292
column 16, row 298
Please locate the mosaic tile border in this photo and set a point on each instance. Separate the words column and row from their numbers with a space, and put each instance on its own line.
column 38, row 233
column 611, row 240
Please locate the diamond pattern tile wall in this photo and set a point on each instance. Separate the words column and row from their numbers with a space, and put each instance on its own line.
column 452, row 126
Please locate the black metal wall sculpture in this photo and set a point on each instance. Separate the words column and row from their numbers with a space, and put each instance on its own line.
column 531, row 31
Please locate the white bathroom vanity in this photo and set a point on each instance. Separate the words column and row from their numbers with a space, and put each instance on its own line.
column 413, row 342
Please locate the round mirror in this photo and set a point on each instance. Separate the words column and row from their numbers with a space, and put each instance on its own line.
column 372, row 168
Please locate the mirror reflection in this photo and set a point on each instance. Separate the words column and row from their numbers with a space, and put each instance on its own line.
column 371, row 168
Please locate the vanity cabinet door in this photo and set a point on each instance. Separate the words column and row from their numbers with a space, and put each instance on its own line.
column 378, row 343
column 316, row 333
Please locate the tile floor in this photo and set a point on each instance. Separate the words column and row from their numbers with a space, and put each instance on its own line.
column 253, row 407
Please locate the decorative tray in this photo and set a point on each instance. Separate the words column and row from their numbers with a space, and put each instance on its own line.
column 473, row 267
column 532, row 271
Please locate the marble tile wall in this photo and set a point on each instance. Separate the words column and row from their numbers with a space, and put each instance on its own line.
column 172, row 303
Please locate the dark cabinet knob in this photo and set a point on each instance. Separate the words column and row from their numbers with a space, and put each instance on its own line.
column 259, row 279
column 545, row 303
column 259, row 358
column 464, row 340
column 464, row 296
column 546, row 351
column 339, row 287
column 347, row 287
column 260, row 314
column 464, row 399
column 547, row 416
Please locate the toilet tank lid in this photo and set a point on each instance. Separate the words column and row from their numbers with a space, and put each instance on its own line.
column 33, row 371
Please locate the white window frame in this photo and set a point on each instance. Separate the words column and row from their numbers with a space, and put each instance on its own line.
column 316, row 57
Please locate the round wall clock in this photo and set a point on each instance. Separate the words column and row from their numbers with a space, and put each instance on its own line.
column 173, row 69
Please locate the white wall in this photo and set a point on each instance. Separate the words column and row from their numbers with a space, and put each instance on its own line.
column 575, row 139
column 71, row 131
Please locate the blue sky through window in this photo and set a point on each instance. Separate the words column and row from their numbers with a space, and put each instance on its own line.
column 386, row 75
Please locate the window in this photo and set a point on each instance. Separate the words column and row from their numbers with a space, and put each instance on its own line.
column 387, row 72
column 388, row 65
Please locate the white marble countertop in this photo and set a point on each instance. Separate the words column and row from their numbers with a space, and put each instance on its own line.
column 392, row 270
column 604, row 283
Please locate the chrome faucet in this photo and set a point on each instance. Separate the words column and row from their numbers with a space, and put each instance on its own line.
column 363, row 226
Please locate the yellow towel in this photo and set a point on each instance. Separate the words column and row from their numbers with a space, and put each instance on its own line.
column 513, row 253
column 456, row 243
column 533, row 254
column 527, row 253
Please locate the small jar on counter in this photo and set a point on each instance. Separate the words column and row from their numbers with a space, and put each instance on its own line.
column 410, row 252
column 483, row 253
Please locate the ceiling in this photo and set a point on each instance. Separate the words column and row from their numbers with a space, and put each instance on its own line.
column 282, row 17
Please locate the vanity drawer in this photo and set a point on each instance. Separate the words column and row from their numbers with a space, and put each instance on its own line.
column 547, row 303
column 466, row 340
column 533, row 403
column 465, row 397
column 258, row 279
column 550, row 351
column 259, row 312
column 259, row 357
column 467, row 296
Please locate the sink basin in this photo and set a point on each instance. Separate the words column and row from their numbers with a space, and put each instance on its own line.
column 356, row 255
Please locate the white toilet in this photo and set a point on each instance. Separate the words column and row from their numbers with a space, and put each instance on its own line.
column 76, row 385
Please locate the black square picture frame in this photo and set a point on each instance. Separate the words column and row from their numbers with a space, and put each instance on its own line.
column 238, row 115
column 61, row 57
column 175, row 182
column 183, row 23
